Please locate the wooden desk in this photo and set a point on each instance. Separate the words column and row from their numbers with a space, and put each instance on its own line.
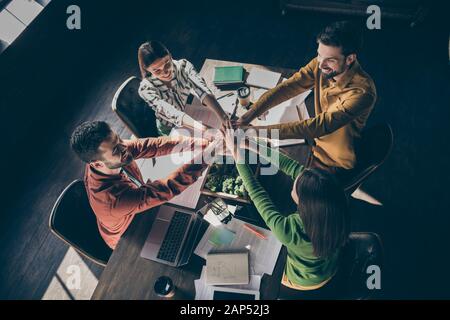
column 207, row 72
column 128, row 276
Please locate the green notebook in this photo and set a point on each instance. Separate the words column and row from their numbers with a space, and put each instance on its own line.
column 221, row 236
column 228, row 75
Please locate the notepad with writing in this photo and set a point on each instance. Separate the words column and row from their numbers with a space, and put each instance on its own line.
column 227, row 268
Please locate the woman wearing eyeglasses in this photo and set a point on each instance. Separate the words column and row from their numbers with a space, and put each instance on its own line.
column 166, row 85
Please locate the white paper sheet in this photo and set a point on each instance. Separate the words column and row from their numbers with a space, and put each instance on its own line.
column 205, row 292
column 291, row 110
column 205, row 115
column 263, row 252
column 162, row 168
column 263, row 78
column 228, row 103
column 257, row 93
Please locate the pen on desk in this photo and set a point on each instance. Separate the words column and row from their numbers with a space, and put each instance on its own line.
column 225, row 95
column 236, row 105
column 257, row 233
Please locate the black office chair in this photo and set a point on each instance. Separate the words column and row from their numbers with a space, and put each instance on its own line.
column 371, row 150
column 3, row 45
column 134, row 112
column 73, row 221
column 362, row 250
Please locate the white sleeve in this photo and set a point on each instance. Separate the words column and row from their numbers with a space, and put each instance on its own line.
column 196, row 82
column 162, row 108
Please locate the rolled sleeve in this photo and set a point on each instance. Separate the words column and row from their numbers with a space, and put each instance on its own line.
column 169, row 113
column 300, row 82
column 130, row 201
column 329, row 121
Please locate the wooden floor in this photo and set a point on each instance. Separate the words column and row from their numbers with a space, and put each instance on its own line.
column 409, row 67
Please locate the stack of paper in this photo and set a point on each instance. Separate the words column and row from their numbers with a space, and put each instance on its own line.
column 263, row 252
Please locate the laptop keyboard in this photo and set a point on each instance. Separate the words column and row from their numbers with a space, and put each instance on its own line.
column 174, row 237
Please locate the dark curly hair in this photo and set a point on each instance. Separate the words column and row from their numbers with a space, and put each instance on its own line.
column 87, row 137
column 342, row 34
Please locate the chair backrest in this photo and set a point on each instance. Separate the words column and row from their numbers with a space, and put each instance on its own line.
column 371, row 150
column 74, row 222
column 364, row 249
column 134, row 112
column 3, row 45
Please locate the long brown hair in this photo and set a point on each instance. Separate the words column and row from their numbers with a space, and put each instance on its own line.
column 148, row 53
column 323, row 209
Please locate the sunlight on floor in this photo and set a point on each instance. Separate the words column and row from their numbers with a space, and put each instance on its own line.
column 73, row 280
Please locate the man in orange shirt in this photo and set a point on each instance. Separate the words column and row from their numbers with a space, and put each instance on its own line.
column 113, row 181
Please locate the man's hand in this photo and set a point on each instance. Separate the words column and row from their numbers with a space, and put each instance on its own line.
column 236, row 124
column 245, row 119
column 202, row 142
column 209, row 135
column 229, row 137
column 226, row 124
column 211, row 102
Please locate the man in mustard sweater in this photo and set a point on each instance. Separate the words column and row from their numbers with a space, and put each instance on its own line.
column 344, row 98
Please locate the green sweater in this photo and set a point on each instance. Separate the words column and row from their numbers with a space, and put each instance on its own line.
column 302, row 267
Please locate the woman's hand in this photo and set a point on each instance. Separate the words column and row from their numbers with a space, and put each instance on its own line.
column 239, row 124
column 229, row 137
column 245, row 119
column 202, row 142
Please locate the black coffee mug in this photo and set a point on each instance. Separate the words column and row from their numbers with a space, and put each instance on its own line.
column 164, row 287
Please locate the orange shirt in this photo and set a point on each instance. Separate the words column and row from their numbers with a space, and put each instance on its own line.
column 342, row 108
column 115, row 199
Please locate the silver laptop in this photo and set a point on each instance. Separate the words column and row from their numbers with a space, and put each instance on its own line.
column 173, row 235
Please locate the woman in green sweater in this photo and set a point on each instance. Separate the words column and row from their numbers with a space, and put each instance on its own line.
column 315, row 233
